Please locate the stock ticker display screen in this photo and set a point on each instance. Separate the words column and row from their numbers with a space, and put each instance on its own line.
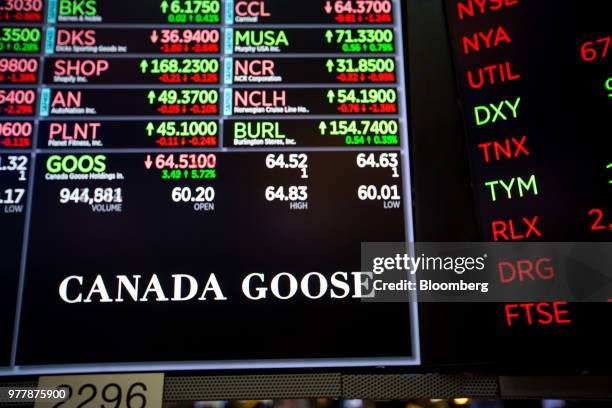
column 187, row 184
column 535, row 84
column 172, row 172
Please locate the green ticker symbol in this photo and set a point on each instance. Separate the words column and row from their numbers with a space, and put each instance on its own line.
column 608, row 167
